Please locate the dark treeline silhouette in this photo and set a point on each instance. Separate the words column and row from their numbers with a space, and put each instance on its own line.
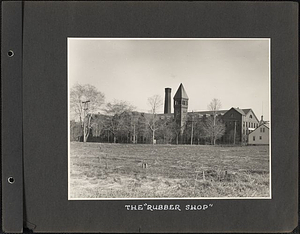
column 133, row 127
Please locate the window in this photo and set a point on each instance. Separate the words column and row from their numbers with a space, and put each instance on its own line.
column 253, row 138
column 260, row 137
column 250, row 116
column 243, row 123
column 231, row 115
column 263, row 129
column 260, row 129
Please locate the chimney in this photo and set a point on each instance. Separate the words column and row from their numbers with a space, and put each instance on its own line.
column 261, row 120
column 167, row 101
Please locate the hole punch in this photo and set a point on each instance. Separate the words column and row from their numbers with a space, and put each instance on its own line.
column 11, row 180
column 10, row 53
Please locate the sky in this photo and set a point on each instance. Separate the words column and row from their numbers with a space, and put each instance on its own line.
column 235, row 71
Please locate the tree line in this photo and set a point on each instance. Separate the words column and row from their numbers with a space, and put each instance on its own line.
column 118, row 122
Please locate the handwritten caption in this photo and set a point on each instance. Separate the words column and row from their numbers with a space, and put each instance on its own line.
column 167, row 207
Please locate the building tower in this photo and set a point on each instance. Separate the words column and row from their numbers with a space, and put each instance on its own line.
column 180, row 106
column 167, row 101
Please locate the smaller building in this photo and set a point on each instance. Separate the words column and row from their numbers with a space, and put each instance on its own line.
column 260, row 136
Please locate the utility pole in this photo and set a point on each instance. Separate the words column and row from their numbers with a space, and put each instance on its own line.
column 85, row 109
column 135, row 120
column 134, row 141
column 234, row 132
column 192, row 131
column 214, row 128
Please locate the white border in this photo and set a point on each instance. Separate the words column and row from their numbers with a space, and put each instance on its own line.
column 178, row 39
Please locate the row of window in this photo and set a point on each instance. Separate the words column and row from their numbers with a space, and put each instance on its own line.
column 183, row 102
column 262, row 129
column 247, row 131
column 229, row 123
column 250, row 125
column 260, row 138
column 232, row 115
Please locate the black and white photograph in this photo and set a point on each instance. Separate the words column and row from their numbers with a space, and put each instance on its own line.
column 169, row 118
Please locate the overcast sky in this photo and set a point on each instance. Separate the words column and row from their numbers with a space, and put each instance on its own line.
column 234, row 71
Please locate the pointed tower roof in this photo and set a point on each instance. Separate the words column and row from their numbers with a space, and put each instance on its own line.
column 181, row 93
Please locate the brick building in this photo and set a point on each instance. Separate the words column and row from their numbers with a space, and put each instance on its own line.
column 239, row 123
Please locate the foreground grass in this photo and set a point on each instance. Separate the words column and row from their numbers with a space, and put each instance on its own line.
column 117, row 171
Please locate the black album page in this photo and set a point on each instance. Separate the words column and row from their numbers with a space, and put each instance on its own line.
column 142, row 116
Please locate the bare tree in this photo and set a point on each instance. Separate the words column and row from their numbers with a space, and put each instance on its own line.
column 85, row 99
column 82, row 93
column 97, row 125
column 176, row 130
column 134, row 120
column 213, row 127
column 86, row 127
column 118, row 121
column 118, row 107
column 164, row 132
column 214, row 105
column 199, row 132
column 155, row 103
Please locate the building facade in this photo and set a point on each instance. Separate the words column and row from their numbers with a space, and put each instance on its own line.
column 260, row 136
column 183, row 127
column 181, row 107
column 239, row 123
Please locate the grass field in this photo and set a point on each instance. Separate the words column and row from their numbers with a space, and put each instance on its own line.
column 102, row 170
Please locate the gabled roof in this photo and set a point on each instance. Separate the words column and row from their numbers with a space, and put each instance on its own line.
column 256, row 129
column 246, row 111
column 266, row 124
column 239, row 110
column 181, row 93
